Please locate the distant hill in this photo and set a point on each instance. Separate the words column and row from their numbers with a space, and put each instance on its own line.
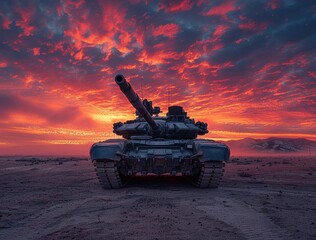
column 272, row 146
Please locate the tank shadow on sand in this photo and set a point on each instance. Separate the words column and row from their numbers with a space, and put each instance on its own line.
column 160, row 182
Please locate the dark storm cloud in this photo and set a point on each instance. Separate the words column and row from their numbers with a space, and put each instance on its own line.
column 297, row 30
column 288, row 24
column 285, row 11
column 235, row 52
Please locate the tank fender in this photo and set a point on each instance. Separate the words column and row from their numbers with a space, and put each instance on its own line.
column 211, row 151
column 106, row 150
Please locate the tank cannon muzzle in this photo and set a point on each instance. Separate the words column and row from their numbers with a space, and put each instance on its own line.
column 120, row 80
column 134, row 99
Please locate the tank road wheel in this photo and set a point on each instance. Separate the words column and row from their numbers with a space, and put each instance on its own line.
column 108, row 174
column 210, row 175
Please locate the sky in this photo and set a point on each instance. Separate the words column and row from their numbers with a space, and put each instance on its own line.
column 245, row 67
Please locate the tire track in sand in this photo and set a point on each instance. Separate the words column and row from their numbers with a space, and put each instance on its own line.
column 252, row 224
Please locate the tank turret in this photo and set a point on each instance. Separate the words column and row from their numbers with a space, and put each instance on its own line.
column 176, row 124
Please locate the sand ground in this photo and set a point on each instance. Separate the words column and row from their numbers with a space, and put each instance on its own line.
column 60, row 198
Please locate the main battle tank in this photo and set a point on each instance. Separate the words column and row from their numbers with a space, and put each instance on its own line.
column 159, row 145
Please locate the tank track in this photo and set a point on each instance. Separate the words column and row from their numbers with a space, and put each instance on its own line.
column 108, row 174
column 210, row 175
column 110, row 178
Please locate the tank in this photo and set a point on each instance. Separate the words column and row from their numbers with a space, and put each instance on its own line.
column 154, row 144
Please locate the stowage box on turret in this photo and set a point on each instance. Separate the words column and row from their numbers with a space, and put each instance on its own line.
column 159, row 145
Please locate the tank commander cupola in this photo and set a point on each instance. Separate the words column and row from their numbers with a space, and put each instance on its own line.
column 176, row 113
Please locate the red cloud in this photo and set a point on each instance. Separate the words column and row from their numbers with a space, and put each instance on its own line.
column 36, row 51
column 273, row 4
column 176, row 6
column 160, row 56
column 3, row 64
column 168, row 30
column 222, row 9
column 89, row 30
column 5, row 21
column 25, row 21
column 247, row 24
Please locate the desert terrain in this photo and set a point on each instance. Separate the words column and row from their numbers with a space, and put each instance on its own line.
column 60, row 198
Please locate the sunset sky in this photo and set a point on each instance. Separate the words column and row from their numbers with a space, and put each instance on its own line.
column 247, row 68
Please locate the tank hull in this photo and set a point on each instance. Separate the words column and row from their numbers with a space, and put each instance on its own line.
column 196, row 158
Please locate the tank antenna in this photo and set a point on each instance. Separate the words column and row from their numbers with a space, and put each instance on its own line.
column 142, row 80
column 141, row 84
column 168, row 92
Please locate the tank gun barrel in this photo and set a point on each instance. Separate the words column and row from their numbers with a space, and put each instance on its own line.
column 134, row 99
